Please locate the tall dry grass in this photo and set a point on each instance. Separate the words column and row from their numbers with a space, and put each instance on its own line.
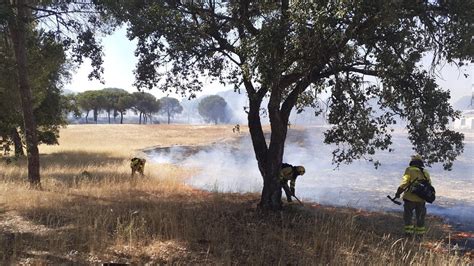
column 91, row 211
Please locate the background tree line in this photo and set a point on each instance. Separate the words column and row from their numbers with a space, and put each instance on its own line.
column 116, row 102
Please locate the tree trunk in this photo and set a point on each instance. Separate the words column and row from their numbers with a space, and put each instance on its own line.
column 271, row 193
column 269, row 158
column 17, row 32
column 96, row 114
column 108, row 114
column 121, row 117
column 87, row 115
column 169, row 116
column 17, row 143
column 140, row 118
column 268, row 165
column 271, row 163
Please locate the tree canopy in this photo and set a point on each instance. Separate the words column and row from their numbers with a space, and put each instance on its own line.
column 170, row 107
column 48, row 69
column 93, row 100
column 145, row 104
column 71, row 24
column 213, row 108
column 117, row 102
column 112, row 97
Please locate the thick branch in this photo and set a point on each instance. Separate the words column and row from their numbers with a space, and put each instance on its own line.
column 243, row 10
column 316, row 76
column 290, row 101
column 51, row 12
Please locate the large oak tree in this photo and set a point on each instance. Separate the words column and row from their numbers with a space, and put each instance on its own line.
column 292, row 51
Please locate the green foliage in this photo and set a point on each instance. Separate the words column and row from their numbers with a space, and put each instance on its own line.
column 48, row 66
column 170, row 107
column 125, row 102
column 69, row 101
column 112, row 97
column 93, row 100
column 117, row 101
column 47, row 70
column 292, row 51
column 76, row 33
column 145, row 103
column 84, row 102
column 213, row 108
column 68, row 26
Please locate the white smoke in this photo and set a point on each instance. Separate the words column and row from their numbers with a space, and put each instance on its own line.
column 232, row 167
column 236, row 104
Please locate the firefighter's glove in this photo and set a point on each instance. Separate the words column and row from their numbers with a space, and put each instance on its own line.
column 292, row 191
column 399, row 192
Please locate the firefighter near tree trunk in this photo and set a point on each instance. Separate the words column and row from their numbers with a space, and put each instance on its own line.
column 289, row 173
column 413, row 176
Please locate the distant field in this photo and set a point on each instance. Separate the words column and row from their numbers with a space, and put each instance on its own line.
column 128, row 140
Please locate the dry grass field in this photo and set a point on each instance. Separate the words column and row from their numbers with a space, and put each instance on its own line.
column 90, row 211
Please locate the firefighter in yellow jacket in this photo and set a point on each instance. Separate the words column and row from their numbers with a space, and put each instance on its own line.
column 412, row 202
column 290, row 173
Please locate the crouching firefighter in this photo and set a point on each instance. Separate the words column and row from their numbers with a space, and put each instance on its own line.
column 137, row 165
column 414, row 174
column 289, row 172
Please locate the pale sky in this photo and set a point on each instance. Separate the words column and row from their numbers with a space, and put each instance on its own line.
column 120, row 61
column 119, row 64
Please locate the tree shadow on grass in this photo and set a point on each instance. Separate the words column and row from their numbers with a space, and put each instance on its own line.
column 78, row 159
column 25, row 246
column 72, row 168
column 214, row 228
column 3, row 208
column 138, row 226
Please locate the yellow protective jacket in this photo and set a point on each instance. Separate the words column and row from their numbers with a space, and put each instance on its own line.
column 411, row 177
column 287, row 174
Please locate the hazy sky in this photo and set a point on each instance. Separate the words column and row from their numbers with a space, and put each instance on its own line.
column 120, row 61
column 119, row 64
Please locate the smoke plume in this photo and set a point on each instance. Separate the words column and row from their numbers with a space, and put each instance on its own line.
column 232, row 167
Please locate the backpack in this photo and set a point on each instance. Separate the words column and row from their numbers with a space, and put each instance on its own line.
column 424, row 189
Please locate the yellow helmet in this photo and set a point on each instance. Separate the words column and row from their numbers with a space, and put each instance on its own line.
column 300, row 170
column 416, row 157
